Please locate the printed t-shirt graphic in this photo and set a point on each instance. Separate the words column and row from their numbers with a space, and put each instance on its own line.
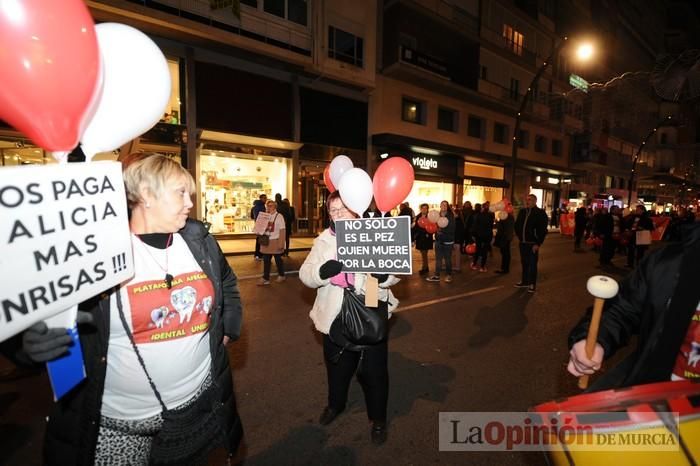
column 166, row 314
column 688, row 361
column 170, row 328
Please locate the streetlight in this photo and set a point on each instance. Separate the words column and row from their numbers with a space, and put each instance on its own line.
column 584, row 52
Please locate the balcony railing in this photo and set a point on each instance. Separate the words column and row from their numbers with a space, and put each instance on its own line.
column 273, row 31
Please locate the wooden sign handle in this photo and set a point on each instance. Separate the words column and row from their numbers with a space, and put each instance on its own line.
column 592, row 337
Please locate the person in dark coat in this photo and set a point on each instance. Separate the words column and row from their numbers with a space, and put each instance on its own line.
column 289, row 224
column 422, row 239
column 112, row 416
column 258, row 206
column 657, row 302
column 604, row 230
column 505, row 229
column 468, row 213
column 459, row 242
column 639, row 221
column 531, row 229
column 483, row 234
column 580, row 220
column 444, row 239
column 406, row 211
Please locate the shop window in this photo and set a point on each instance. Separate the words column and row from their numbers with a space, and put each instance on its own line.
column 514, row 39
column 556, row 147
column 412, row 111
column 345, row 47
column 500, row 133
column 447, row 119
column 231, row 181
column 292, row 10
column 523, row 139
column 475, row 127
column 431, row 193
column 172, row 113
column 540, row 144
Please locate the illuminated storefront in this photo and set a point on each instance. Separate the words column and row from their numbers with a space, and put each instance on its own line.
column 482, row 183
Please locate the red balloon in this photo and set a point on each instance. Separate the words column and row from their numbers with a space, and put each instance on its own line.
column 392, row 182
column 590, row 241
column 471, row 249
column 431, row 227
column 509, row 208
column 598, row 242
column 51, row 70
column 422, row 221
column 327, row 178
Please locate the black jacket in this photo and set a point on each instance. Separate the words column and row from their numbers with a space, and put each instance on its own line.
column 531, row 225
column 71, row 434
column 423, row 239
column 505, row 230
column 580, row 218
column 656, row 303
column 482, row 228
column 447, row 235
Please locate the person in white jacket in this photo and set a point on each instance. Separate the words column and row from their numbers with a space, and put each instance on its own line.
column 323, row 272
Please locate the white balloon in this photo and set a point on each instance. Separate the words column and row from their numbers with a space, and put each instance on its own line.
column 500, row 205
column 492, row 208
column 433, row 216
column 136, row 88
column 355, row 189
column 502, row 214
column 442, row 222
column 601, row 286
column 339, row 165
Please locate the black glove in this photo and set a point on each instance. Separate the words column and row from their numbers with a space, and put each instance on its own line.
column 330, row 269
column 381, row 277
column 44, row 344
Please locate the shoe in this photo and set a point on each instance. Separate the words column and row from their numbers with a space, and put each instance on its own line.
column 263, row 282
column 258, row 258
column 281, row 278
column 521, row 285
column 474, row 267
column 483, row 269
column 448, row 279
column 379, row 432
column 434, row 278
column 328, row 415
column 531, row 289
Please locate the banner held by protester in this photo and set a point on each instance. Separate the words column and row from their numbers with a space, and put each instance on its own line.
column 64, row 238
column 375, row 245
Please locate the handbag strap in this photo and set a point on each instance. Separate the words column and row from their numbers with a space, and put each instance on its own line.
column 138, row 354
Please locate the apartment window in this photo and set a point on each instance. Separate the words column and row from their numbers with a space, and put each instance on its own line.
column 485, row 73
column 345, row 47
column 514, row 39
column 412, row 111
column 514, row 89
column 475, row 127
column 608, row 181
column 447, row 119
column 500, row 133
column 540, row 144
column 556, row 147
column 523, row 139
column 292, row 10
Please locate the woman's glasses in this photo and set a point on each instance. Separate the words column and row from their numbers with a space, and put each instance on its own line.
column 341, row 210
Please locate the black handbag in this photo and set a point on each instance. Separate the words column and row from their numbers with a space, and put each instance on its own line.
column 264, row 240
column 188, row 432
column 358, row 326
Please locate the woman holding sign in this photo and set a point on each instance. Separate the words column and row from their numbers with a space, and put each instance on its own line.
column 322, row 271
column 158, row 379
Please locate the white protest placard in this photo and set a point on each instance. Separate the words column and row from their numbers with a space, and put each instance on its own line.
column 375, row 245
column 64, row 237
column 261, row 223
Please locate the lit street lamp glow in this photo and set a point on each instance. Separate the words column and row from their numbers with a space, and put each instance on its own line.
column 584, row 52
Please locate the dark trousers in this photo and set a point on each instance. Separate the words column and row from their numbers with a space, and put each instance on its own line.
column 267, row 265
column 529, row 262
column 482, row 251
column 373, row 375
column 505, row 255
column 288, row 233
column 607, row 251
column 578, row 236
column 443, row 251
column 635, row 252
column 257, row 247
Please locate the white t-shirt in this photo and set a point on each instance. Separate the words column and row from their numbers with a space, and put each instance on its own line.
column 170, row 328
column 276, row 224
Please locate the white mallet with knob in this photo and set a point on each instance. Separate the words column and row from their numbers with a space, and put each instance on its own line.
column 602, row 288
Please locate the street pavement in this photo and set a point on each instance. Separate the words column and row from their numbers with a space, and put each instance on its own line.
column 476, row 344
